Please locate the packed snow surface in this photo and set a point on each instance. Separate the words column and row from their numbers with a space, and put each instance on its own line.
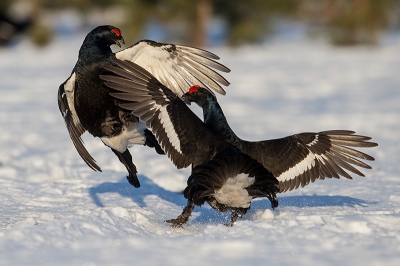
column 54, row 210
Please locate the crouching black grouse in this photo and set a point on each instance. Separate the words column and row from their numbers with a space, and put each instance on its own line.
column 222, row 175
column 295, row 160
column 86, row 105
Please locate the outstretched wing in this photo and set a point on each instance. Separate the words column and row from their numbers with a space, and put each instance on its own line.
column 300, row 159
column 75, row 129
column 177, row 66
column 180, row 133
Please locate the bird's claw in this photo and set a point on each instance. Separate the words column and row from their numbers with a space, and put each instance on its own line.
column 176, row 223
column 133, row 180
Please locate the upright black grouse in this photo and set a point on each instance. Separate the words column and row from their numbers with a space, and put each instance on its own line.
column 295, row 160
column 223, row 176
column 86, row 105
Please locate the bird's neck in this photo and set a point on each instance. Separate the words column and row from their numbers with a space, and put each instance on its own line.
column 215, row 119
column 94, row 53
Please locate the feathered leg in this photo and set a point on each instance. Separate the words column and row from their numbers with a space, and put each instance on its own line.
column 152, row 142
column 237, row 213
column 126, row 159
column 184, row 217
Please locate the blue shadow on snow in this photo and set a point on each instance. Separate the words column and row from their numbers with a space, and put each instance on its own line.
column 319, row 201
column 147, row 187
column 207, row 215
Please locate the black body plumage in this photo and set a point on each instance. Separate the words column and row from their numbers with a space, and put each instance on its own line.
column 89, row 107
column 86, row 105
column 98, row 113
column 207, row 181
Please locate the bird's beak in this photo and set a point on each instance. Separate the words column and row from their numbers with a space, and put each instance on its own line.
column 120, row 41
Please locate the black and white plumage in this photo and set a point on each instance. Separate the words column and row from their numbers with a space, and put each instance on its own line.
column 230, row 183
column 86, row 105
column 295, row 160
column 222, row 175
column 180, row 133
column 177, row 66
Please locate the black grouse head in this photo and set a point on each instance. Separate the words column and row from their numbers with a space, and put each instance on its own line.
column 105, row 36
column 198, row 95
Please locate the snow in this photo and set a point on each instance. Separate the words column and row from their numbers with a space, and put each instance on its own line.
column 54, row 210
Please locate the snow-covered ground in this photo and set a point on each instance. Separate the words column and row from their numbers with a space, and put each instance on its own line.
column 54, row 210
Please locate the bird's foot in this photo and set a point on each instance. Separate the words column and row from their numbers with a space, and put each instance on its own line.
column 133, row 180
column 233, row 220
column 236, row 213
column 230, row 224
column 126, row 158
column 184, row 217
column 178, row 222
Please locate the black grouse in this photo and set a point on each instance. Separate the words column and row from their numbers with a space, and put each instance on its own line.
column 86, row 105
column 295, row 160
column 222, row 175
